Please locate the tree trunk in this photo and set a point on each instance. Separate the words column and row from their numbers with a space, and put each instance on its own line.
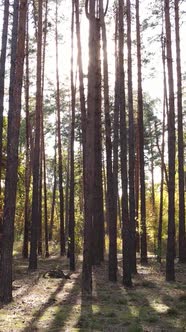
column 43, row 137
column 162, row 152
column 116, row 129
column 141, row 142
column 152, row 187
column 160, row 222
column 71, row 223
column 67, row 192
column 36, row 162
column 170, row 273
column 40, row 228
column 12, row 155
column 98, row 226
column 131, row 143
column 28, row 161
column 89, row 154
column 182, row 235
column 2, row 76
column 50, row 236
column 137, row 188
column 111, row 216
column 60, row 165
column 81, row 82
column 126, row 243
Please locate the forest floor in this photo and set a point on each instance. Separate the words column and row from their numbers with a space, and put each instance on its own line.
column 56, row 305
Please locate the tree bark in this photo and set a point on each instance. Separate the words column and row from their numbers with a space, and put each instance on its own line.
column 182, row 235
column 89, row 154
column 170, row 272
column 71, row 223
column 141, row 142
column 126, row 241
column 36, row 161
column 2, row 76
column 131, row 143
column 111, row 217
column 98, row 225
column 50, row 236
column 28, row 161
column 12, row 154
column 60, row 162
column 81, row 82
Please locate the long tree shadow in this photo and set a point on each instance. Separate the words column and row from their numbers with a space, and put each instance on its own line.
column 111, row 307
column 86, row 318
column 115, row 308
column 111, row 311
column 153, row 311
column 25, row 280
column 38, row 314
column 107, row 309
column 64, row 314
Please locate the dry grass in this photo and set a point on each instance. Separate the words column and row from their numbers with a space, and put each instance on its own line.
column 56, row 305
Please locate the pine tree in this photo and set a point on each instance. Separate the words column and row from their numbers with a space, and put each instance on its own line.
column 12, row 155
column 37, row 160
column 170, row 273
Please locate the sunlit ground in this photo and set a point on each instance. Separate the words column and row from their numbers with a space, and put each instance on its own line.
column 56, row 305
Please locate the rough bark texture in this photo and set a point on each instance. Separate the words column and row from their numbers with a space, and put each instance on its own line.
column 162, row 150
column 170, row 273
column 12, row 158
column 182, row 235
column 126, row 243
column 98, row 182
column 2, row 76
column 36, row 162
column 60, row 165
column 81, row 83
column 71, row 222
column 160, row 221
column 141, row 142
column 109, row 174
column 116, row 135
column 89, row 154
column 28, row 161
column 50, row 235
column 131, row 142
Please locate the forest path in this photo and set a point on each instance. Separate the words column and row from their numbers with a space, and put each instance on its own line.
column 56, row 305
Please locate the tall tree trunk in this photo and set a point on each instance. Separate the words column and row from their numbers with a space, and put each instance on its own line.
column 131, row 142
column 163, row 167
column 71, row 222
column 116, row 128
column 60, row 165
column 160, row 221
column 89, row 153
column 2, row 77
column 40, row 228
column 182, row 235
column 43, row 136
column 98, row 225
column 81, row 82
column 12, row 157
column 45, row 201
column 126, row 243
column 28, row 161
column 170, row 273
column 36, row 162
column 152, row 187
column 67, row 191
column 141, row 142
column 137, row 187
column 50, row 236
column 111, row 216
